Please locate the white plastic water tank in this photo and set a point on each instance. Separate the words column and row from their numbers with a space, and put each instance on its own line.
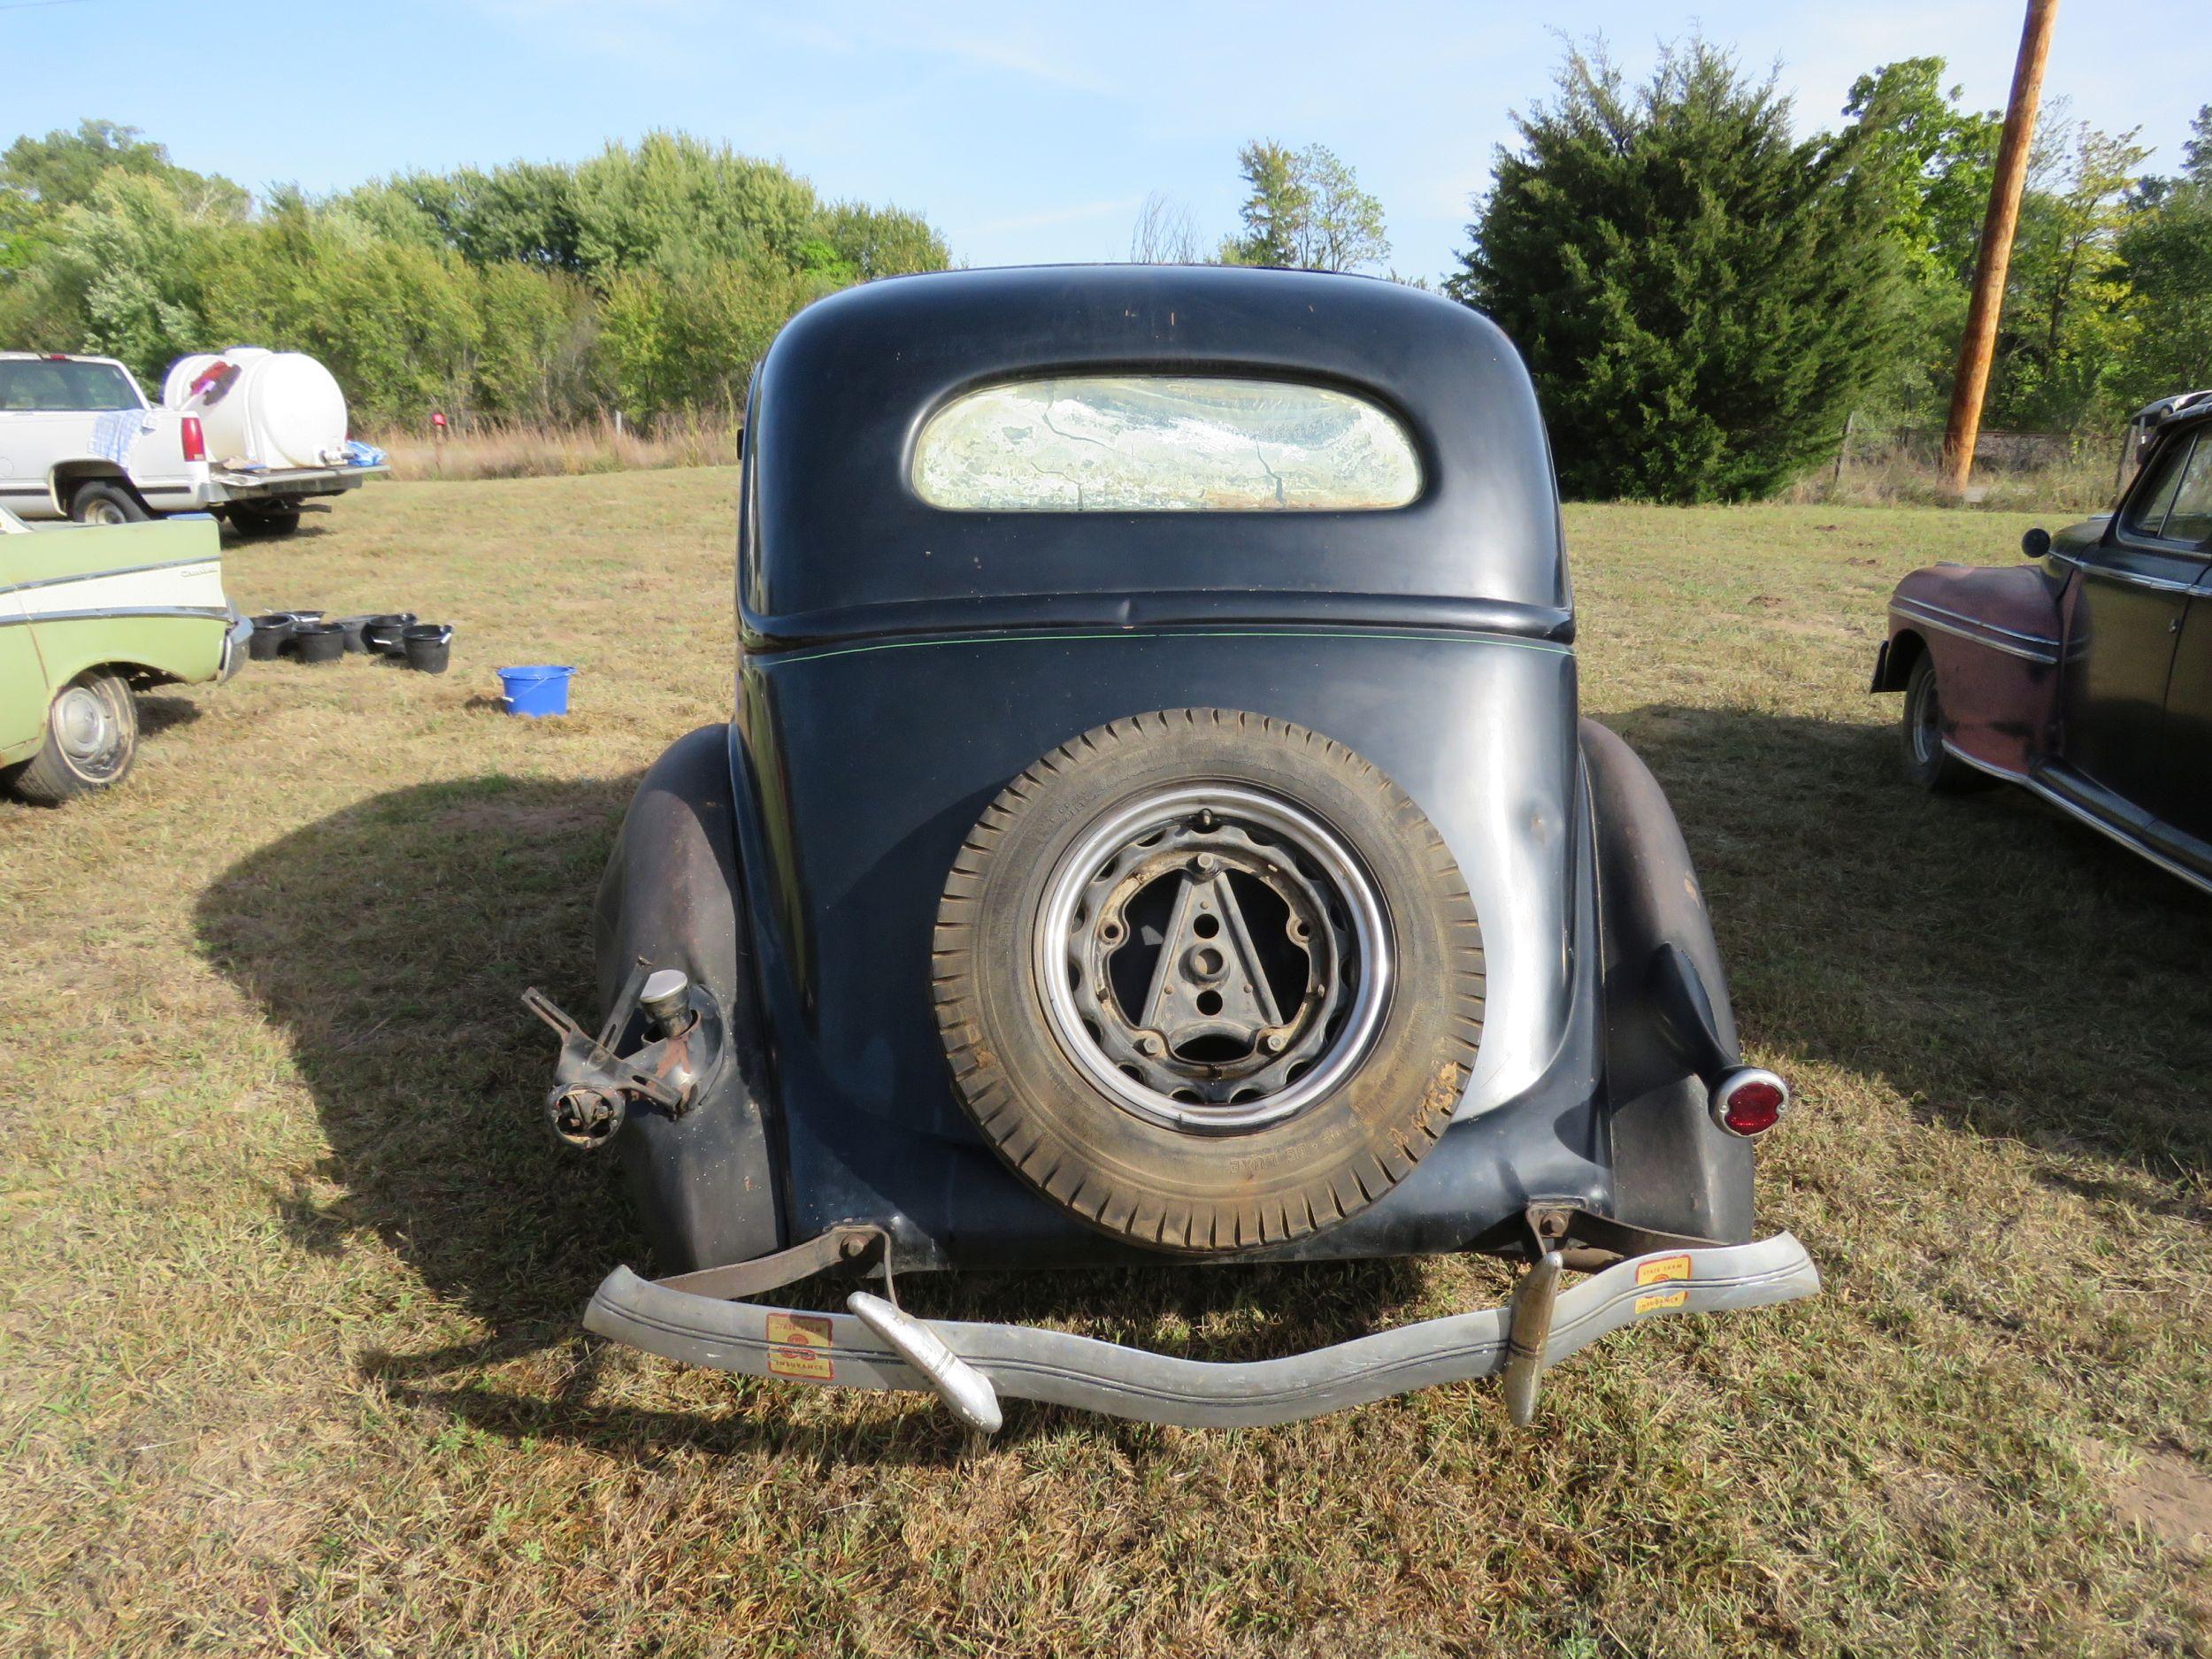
column 277, row 408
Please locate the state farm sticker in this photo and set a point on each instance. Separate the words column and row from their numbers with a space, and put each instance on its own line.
column 800, row 1345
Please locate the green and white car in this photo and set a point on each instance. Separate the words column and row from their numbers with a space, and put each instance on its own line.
column 89, row 615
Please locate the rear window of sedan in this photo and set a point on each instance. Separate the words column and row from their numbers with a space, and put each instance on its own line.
column 1164, row 443
column 80, row 387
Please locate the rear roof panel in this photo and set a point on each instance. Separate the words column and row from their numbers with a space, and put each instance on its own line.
column 839, row 526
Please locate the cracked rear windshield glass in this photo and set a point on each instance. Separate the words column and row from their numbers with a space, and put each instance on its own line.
column 1159, row 443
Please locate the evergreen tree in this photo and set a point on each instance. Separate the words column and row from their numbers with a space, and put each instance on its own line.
column 1274, row 206
column 1700, row 296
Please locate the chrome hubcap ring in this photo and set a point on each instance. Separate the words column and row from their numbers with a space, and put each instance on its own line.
column 84, row 727
column 1213, row 958
column 1926, row 739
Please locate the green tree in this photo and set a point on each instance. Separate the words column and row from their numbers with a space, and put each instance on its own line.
column 1275, row 206
column 676, row 195
column 524, row 212
column 880, row 242
column 2067, row 324
column 1343, row 227
column 1932, row 160
column 2165, row 251
column 654, row 274
column 26, row 234
column 1304, row 210
column 536, row 352
column 397, row 323
column 65, row 169
column 124, row 276
column 1700, row 296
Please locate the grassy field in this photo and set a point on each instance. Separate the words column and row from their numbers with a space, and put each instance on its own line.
column 288, row 1353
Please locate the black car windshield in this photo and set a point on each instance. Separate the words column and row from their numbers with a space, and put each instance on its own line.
column 80, row 387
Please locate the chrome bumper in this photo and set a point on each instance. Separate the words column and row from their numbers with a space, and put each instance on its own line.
column 968, row 1365
column 235, row 640
column 309, row 481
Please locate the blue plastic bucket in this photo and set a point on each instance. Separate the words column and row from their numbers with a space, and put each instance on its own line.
column 540, row 688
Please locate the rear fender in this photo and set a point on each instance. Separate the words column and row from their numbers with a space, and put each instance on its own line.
column 704, row 1180
column 1667, row 1014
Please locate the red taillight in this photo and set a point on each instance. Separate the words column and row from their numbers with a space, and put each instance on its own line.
column 194, row 440
column 1749, row 1102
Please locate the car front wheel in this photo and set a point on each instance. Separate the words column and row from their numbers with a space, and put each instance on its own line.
column 1927, row 763
column 91, row 739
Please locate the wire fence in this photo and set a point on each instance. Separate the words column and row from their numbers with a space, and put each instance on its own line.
column 1882, row 463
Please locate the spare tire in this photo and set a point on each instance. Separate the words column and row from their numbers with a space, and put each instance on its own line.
column 1208, row 980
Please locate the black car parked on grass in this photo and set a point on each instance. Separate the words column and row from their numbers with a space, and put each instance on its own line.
column 1156, row 826
column 2084, row 675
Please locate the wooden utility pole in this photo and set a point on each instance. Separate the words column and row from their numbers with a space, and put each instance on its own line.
column 1965, row 425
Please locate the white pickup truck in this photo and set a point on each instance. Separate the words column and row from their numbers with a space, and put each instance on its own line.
column 79, row 440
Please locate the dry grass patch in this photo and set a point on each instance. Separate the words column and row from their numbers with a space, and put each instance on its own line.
column 288, row 1358
column 559, row 449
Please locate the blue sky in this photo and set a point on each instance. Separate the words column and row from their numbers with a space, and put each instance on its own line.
column 1025, row 132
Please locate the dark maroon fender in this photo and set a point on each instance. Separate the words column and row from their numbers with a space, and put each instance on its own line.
column 1995, row 637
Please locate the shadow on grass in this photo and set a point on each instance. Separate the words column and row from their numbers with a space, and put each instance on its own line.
column 390, row 941
column 307, row 530
column 2016, row 973
column 2007, row 968
column 157, row 714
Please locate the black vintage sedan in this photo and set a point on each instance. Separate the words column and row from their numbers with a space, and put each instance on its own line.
column 1156, row 827
column 2084, row 675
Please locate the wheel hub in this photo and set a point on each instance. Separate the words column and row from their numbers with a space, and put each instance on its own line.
column 1213, row 957
column 83, row 725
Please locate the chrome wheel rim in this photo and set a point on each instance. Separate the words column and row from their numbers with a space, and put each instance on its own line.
column 1926, row 733
column 1214, row 959
column 88, row 730
column 103, row 512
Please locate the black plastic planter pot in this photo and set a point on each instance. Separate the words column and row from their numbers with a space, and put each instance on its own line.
column 355, row 626
column 429, row 646
column 319, row 641
column 271, row 632
column 386, row 632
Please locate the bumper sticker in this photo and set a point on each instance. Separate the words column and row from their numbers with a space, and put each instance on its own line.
column 1663, row 1299
column 1657, row 1272
column 802, row 1345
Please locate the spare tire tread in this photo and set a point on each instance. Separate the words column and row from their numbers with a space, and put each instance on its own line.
column 1425, row 1051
